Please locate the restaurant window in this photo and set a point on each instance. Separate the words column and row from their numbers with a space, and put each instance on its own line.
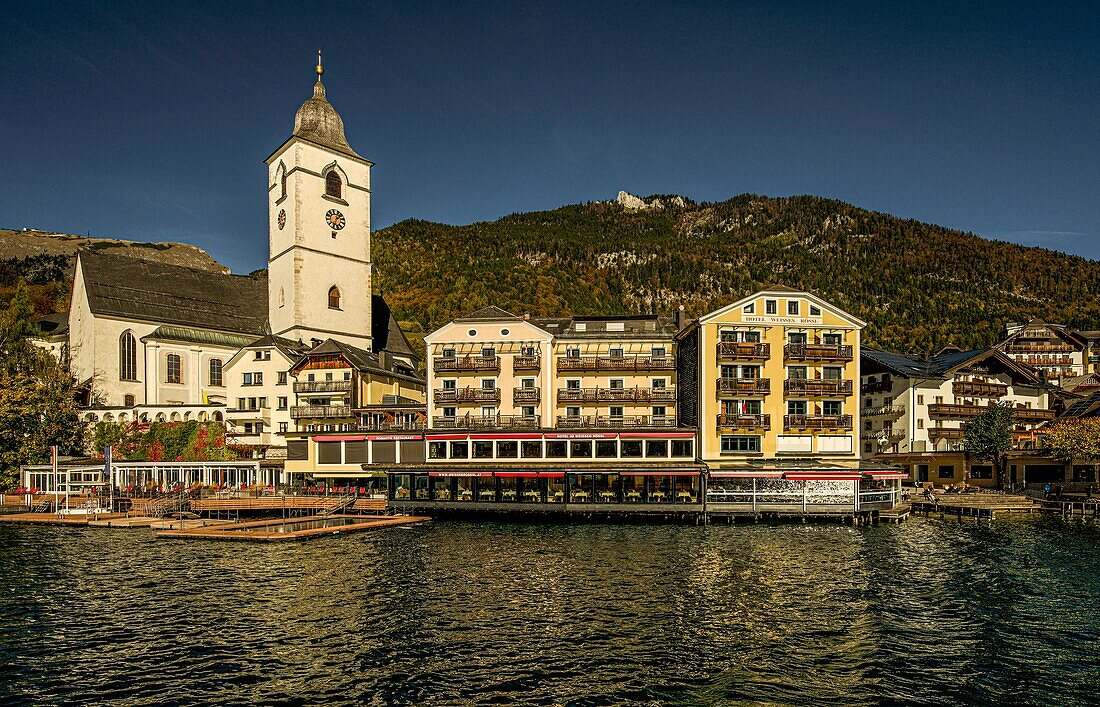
column 656, row 448
column 216, row 372
column 172, row 369
column 771, row 307
column 482, row 450
column 985, row 471
column 127, row 357
column 683, row 448
column 792, row 307
column 733, row 444
column 459, row 450
column 437, row 450
column 581, row 450
column 555, row 449
column 946, row 471
column 328, row 452
column 507, row 450
column 606, row 449
column 532, row 450
column 631, row 448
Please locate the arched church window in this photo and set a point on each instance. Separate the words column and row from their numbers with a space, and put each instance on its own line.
column 334, row 297
column 334, row 186
column 216, row 372
column 127, row 357
column 172, row 369
column 282, row 182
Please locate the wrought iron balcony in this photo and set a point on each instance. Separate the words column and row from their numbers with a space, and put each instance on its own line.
column 817, row 422
column 617, row 395
column 615, row 421
column 818, row 352
column 727, row 387
column 340, row 386
column 817, row 387
column 617, row 363
column 392, row 425
column 298, row 412
column 466, row 363
column 467, row 395
column 482, row 422
column 742, row 350
column 745, row 422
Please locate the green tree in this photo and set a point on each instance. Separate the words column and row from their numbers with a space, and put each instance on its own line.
column 988, row 438
column 37, row 396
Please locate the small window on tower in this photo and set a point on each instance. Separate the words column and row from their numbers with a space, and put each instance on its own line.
column 334, row 297
column 334, row 186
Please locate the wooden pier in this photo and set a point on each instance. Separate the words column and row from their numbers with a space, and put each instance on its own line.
column 286, row 529
column 980, row 505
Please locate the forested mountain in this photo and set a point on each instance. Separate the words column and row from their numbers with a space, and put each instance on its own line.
column 918, row 286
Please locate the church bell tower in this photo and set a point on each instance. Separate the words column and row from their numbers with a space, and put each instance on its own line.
column 319, row 266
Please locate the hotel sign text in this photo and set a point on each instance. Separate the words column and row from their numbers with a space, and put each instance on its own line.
column 765, row 319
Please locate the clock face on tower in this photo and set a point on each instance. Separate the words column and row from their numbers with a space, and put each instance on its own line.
column 334, row 219
column 282, row 218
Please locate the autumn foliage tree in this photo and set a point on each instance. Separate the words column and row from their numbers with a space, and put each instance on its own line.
column 1073, row 440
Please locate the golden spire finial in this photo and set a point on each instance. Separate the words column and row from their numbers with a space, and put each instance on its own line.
column 320, row 69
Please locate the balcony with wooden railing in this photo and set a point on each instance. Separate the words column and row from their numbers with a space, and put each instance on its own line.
column 527, row 363
column 727, row 387
column 486, row 422
column 879, row 386
column 979, row 389
column 617, row 395
column 575, row 422
column 956, row 410
column 459, row 364
column 745, row 422
column 368, row 425
column 817, row 387
column 818, row 352
column 467, row 395
column 298, row 412
column 951, row 433
column 1038, row 348
column 743, row 350
column 891, row 435
column 817, row 422
column 617, row 363
column 891, row 409
column 340, row 386
column 526, row 395
column 1033, row 414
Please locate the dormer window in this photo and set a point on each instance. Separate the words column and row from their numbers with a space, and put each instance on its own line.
column 334, row 297
column 334, row 186
column 770, row 306
column 792, row 308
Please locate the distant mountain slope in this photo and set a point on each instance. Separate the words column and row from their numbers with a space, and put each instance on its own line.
column 46, row 260
column 918, row 286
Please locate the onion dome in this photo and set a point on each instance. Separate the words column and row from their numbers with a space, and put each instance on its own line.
column 317, row 121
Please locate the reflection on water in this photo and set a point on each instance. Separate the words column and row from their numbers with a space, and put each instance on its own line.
column 461, row 613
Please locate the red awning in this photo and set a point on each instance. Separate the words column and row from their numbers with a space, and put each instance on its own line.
column 658, row 473
column 433, row 438
column 460, row 473
column 339, row 438
column 516, row 474
column 741, row 474
column 580, row 435
column 551, row 474
column 394, row 438
column 521, row 435
column 823, row 476
column 657, row 435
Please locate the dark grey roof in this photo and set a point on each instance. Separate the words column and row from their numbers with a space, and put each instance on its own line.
column 936, row 366
column 634, row 326
column 488, row 313
column 317, row 121
column 159, row 293
column 386, row 333
column 1089, row 407
column 292, row 349
column 54, row 324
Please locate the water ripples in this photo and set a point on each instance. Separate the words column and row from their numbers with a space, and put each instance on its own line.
column 493, row 613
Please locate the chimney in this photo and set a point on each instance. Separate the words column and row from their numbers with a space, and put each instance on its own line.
column 680, row 317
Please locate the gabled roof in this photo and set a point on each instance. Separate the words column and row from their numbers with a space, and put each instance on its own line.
column 1088, row 407
column 140, row 290
column 781, row 290
column 487, row 313
column 634, row 326
column 944, row 364
column 359, row 359
column 290, row 348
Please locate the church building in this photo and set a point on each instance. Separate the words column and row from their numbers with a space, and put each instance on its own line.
column 156, row 342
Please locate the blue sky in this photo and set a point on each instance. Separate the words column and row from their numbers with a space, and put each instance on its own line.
column 150, row 121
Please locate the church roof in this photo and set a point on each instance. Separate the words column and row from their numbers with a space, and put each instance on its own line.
column 317, row 121
column 173, row 295
column 386, row 333
column 197, row 336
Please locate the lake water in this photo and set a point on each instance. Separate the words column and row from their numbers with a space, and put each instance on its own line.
column 475, row 613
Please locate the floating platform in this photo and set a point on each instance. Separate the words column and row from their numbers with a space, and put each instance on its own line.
column 55, row 519
column 291, row 528
column 982, row 505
